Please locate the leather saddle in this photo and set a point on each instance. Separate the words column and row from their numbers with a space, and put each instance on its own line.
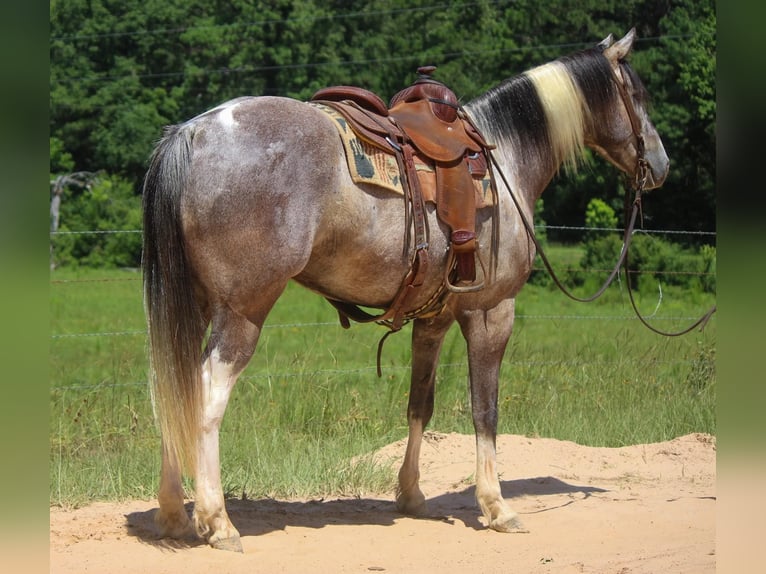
column 423, row 119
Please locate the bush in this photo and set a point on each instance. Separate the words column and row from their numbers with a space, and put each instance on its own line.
column 652, row 260
column 600, row 255
column 108, row 215
column 598, row 214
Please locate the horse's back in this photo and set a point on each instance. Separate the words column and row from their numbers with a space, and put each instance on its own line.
column 263, row 133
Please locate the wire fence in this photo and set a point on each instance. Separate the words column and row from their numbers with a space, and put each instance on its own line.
column 538, row 227
column 100, row 336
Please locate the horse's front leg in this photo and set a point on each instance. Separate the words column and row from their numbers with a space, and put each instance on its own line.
column 427, row 338
column 229, row 349
column 487, row 334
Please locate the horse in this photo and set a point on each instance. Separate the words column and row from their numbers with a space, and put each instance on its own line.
column 256, row 192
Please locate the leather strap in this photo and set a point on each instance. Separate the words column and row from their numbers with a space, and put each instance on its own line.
column 396, row 313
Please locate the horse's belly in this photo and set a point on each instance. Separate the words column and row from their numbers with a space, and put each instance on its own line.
column 370, row 277
column 365, row 259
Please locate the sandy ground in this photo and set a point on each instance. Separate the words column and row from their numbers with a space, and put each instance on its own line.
column 638, row 509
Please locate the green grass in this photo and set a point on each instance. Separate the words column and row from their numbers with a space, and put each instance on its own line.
column 310, row 401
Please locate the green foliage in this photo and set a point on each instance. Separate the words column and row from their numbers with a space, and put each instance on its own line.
column 600, row 255
column 99, row 226
column 708, row 280
column 702, row 374
column 599, row 215
column 684, row 113
column 120, row 71
column 61, row 160
column 650, row 259
column 653, row 261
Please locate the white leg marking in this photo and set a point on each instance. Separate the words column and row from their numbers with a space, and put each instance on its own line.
column 496, row 510
column 210, row 515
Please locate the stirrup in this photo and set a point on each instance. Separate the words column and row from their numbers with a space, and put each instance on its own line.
column 473, row 287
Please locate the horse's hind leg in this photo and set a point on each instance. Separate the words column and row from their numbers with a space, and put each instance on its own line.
column 487, row 334
column 231, row 344
column 427, row 338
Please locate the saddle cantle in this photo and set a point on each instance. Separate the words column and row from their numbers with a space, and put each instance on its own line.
column 364, row 98
column 423, row 120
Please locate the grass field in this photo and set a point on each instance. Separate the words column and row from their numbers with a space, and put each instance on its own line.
column 310, row 401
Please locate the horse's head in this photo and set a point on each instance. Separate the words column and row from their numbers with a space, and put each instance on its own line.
column 620, row 138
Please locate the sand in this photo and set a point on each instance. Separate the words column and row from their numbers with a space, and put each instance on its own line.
column 638, row 509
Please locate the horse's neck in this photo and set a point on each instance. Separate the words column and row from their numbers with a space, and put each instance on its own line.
column 525, row 175
column 539, row 121
column 529, row 161
column 530, row 178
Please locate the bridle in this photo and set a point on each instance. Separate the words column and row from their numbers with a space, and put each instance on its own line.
column 631, row 211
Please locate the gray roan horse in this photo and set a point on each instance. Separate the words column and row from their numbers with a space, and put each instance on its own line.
column 255, row 192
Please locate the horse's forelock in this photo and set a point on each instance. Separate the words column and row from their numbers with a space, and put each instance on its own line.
column 640, row 93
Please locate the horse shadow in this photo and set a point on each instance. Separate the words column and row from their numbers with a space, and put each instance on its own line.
column 254, row 517
column 462, row 505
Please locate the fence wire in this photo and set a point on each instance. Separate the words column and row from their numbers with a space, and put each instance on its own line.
column 97, row 335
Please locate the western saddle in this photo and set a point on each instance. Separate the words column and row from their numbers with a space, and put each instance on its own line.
column 423, row 120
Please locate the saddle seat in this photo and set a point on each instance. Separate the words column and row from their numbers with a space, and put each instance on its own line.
column 424, row 119
column 426, row 112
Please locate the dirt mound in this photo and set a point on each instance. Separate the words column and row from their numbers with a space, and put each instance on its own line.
column 644, row 508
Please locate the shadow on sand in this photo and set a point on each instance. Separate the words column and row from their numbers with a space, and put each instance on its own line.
column 261, row 516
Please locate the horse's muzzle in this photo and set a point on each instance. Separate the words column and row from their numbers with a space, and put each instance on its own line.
column 659, row 166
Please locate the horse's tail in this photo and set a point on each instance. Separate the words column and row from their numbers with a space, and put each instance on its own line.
column 175, row 323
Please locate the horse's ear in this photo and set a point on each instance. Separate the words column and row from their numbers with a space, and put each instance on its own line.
column 621, row 48
column 606, row 42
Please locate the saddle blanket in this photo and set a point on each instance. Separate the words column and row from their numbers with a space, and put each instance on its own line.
column 369, row 164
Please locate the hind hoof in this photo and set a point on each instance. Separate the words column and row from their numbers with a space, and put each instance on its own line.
column 233, row 544
column 511, row 524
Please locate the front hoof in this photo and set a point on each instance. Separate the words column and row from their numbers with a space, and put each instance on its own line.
column 412, row 506
column 509, row 523
column 231, row 544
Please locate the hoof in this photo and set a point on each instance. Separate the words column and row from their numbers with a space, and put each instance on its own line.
column 415, row 506
column 233, row 544
column 176, row 526
column 511, row 524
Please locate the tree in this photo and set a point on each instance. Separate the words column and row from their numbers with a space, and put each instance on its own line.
column 80, row 179
column 122, row 70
